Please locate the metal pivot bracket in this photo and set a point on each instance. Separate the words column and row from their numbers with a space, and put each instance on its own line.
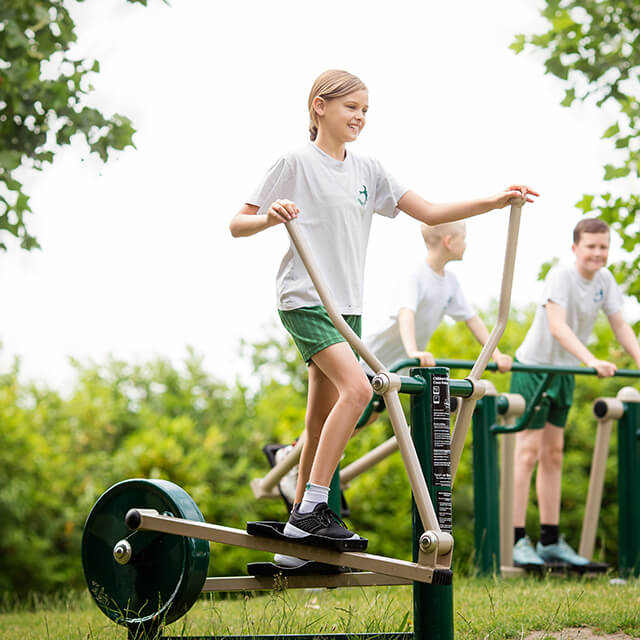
column 386, row 381
column 436, row 549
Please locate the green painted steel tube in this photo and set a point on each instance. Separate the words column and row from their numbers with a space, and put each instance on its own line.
column 334, row 502
column 502, row 405
column 412, row 384
column 533, row 406
column 537, row 368
column 432, row 604
column 460, row 388
column 486, row 488
column 629, row 491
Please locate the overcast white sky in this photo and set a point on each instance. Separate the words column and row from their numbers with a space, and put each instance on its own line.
column 137, row 259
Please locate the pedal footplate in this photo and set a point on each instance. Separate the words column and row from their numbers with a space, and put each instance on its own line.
column 563, row 567
column 308, row 568
column 275, row 529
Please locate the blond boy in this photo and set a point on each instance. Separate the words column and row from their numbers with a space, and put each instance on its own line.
column 430, row 293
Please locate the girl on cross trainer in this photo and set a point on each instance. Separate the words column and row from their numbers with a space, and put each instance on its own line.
column 334, row 195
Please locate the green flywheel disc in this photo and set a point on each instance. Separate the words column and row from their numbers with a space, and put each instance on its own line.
column 165, row 574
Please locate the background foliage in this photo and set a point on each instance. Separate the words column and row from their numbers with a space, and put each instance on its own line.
column 591, row 46
column 43, row 90
column 59, row 454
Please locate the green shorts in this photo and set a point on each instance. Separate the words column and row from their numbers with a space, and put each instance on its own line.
column 554, row 408
column 312, row 330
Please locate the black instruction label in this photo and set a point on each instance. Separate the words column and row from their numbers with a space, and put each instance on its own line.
column 444, row 510
column 441, row 434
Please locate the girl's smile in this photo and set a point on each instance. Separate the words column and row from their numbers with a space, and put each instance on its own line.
column 342, row 119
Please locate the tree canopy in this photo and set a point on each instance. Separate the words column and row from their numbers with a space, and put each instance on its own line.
column 592, row 47
column 43, row 90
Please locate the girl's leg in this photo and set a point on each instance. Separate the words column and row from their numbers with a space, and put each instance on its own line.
column 549, row 477
column 321, row 398
column 340, row 366
column 528, row 444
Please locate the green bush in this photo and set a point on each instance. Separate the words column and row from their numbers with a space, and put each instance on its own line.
column 58, row 454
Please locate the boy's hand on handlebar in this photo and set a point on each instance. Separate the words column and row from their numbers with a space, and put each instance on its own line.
column 605, row 369
column 504, row 362
column 282, row 211
column 426, row 358
column 515, row 191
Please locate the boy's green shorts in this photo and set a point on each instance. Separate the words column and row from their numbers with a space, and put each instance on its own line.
column 312, row 330
column 555, row 407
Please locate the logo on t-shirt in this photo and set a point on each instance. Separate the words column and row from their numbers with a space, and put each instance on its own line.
column 363, row 195
column 599, row 294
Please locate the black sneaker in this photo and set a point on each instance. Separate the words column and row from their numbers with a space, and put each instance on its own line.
column 320, row 522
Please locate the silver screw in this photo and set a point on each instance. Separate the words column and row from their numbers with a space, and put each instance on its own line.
column 122, row 552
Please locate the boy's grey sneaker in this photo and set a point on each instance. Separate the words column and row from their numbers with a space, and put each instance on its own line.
column 560, row 552
column 524, row 554
column 320, row 522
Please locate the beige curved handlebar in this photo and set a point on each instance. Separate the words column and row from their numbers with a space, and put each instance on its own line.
column 466, row 410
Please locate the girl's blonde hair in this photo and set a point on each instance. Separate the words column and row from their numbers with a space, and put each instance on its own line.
column 328, row 85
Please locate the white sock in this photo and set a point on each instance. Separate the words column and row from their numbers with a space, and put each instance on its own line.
column 314, row 494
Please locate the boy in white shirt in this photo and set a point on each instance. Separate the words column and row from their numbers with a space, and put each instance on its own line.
column 430, row 293
column 560, row 331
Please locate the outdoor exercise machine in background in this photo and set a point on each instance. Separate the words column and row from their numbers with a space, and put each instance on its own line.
column 145, row 545
column 493, row 482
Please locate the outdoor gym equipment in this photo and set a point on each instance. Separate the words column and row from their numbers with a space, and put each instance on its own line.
column 493, row 482
column 145, row 549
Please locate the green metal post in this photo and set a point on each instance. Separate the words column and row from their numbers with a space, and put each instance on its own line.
column 335, row 504
column 431, row 430
column 486, row 488
column 629, row 490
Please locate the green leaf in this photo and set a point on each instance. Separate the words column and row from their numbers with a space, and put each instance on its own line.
column 546, row 267
column 586, row 204
column 518, row 44
column 611, row 172
column 613, row 130
column 569, row 97
column 10, row 160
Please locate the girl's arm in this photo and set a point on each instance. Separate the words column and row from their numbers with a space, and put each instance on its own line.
column 246, row 222
column 431, row 213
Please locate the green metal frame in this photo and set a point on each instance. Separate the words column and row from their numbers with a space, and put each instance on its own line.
column 486, row 480
column 486, row 487
column 629, row 490
column 432, row 604
column 430, row 419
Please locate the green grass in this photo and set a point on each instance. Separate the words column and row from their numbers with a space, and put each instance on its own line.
column 488, row 609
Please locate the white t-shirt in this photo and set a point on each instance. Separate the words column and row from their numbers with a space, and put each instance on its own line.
column 430, row 296
column 337, row 201
column 581, row 299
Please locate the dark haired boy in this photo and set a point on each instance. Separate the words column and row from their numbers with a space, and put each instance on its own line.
column 561, row 328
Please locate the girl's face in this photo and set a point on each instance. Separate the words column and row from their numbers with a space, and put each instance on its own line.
column 343, row 118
